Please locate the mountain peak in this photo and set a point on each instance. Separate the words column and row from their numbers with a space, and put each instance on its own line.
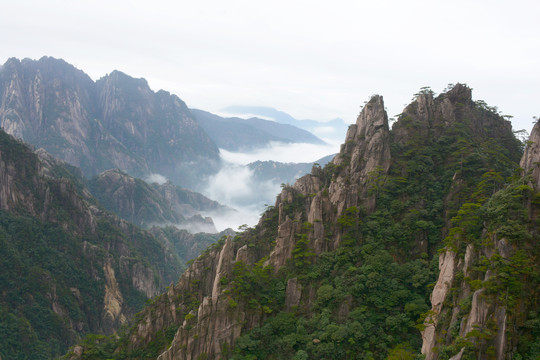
column 119, row 76
column 460, row 92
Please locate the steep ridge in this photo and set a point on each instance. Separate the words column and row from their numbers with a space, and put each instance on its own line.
column 484, row 304
column 68, row 267
column 116, row 122
column 146, row 204
column 339, row 267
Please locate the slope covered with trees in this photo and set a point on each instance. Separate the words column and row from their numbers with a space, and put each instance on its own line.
column 67, row 267
column 350, row 262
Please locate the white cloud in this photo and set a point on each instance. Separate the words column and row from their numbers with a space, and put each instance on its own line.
column 156, row 178
column 282, row 152
column 235, row 186
column 313, row 60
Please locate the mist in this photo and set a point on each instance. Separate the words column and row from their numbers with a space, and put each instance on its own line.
column 155, row 178
column 235, row 185
column 283, row 152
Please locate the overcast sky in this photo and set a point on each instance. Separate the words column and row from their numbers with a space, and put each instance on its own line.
column 312, row 59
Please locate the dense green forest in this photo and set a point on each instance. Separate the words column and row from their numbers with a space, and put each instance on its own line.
column 66, row 265
column 453, row 182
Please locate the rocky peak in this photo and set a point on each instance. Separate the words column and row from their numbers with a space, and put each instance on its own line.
column 116, row 122
column 460, row 93
column 531, row 156
column 464, row 302
column 334, row 207
column 366, row 150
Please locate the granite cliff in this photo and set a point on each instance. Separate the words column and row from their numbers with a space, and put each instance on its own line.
column 340, row 266
column 484, row 301
column 68, row 266
column 116, row 122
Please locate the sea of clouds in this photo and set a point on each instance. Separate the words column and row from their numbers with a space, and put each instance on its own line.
column 235, row 186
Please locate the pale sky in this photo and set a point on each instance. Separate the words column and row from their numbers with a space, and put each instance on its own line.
column 312, row 59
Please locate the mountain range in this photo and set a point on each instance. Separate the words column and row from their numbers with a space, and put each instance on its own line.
column 115, row 122
column 284, row 173
column 338, row 126
column 119, row 122
column 235, row 134
column 420, row 238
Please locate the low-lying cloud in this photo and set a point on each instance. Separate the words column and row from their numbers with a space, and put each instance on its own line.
column 282, row 152
column 235, row 185
column 155, row 178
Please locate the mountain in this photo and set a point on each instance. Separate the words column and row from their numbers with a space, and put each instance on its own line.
column 185, row 244
column 115, row 122
column 68, row 267
column 146, row 204
column 338, row 126
column 243, row 134
column 284, row 173
column 484, row 303
column 346, row 262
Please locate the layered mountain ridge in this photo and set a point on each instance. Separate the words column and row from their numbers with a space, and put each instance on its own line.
column 340, row 266
column 236, row 134
column 154, row 204
column 116, row 122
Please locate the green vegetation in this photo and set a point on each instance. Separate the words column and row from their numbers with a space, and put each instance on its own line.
column 451, row 186
column 53, row 251
column 504, row 220
column 366, row 304
column 43, row 268
column 372, row 293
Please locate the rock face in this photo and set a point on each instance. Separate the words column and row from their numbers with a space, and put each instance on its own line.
column 338, row 209
column 153, row 204
column 116, row 122
column 216, row 322
column 366, row 152
column 487, row 315
column 529, row 161
column 95, row 270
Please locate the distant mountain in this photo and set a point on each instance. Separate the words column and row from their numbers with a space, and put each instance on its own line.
column 243, row 134
column 285, row 173
column 116, row 122
column 153, row 204
column 338, row 125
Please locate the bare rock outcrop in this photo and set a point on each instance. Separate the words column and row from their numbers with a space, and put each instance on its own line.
column 365, row 153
